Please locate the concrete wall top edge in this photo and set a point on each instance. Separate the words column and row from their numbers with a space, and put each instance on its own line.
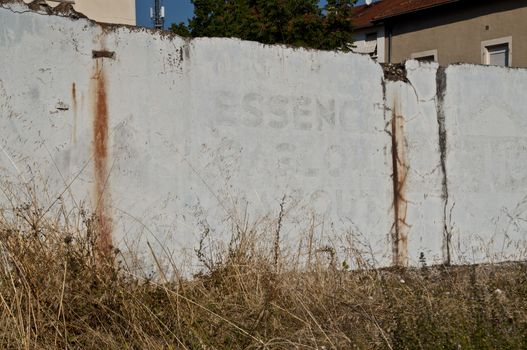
column 462, row 65
column 19, row 6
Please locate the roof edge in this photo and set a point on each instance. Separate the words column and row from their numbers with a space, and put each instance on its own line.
column 380, row 18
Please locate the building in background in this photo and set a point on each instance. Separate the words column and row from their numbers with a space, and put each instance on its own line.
column 447, row 31
column 106, row 11
column 369, row 36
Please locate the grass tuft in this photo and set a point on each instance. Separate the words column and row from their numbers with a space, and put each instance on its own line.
column 56, row 292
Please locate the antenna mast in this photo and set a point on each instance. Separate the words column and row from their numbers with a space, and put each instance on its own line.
column 157, row 14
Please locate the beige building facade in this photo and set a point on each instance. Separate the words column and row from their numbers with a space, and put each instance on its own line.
column 105, row 11
column 108, row 11
column 450, row 31
column 491, row 32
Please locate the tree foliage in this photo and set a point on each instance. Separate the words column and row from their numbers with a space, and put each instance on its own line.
column 292, row 22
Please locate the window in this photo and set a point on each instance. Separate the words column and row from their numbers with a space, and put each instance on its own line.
column 425, row 56
column 426, row 59
column 498, row 55
column 497, row 52
column 368, row 45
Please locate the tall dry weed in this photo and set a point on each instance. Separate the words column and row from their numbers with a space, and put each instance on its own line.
column 57, row 293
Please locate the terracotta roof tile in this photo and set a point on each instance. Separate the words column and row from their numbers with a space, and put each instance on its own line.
column 365, row 15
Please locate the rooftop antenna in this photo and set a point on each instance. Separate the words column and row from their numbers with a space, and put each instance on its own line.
column 157, row 15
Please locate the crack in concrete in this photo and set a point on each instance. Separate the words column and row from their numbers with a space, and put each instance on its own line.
column 440, row 97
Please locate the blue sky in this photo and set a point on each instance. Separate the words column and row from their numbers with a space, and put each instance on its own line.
column 176, row 11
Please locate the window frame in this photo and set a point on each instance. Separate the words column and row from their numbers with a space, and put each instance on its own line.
column 485, row 45
column 422, row 54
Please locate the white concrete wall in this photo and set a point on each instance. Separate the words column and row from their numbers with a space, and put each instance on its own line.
column 199, row 132
column 421, row 204
column 169, row 139
column 486, row 123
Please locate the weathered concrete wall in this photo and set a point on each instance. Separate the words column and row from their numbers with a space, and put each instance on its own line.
column 419, row 199
column 171, row 136
column 485, row 115
column 166, row 139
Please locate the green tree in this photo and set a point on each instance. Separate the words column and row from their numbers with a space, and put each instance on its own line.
column 338, row 26
column 180, row 29
column 292, row 22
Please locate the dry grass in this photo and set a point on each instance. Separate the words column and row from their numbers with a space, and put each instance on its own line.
column 56, row 293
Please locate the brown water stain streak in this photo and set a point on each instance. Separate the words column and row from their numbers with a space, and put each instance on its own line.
column 400, row 204
column 100, row 156
column 75, row 104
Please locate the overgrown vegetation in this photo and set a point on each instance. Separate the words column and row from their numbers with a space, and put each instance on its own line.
column 57, row 293
column 298, row 23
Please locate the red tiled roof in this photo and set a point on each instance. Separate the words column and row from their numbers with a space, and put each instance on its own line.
column 365, row 15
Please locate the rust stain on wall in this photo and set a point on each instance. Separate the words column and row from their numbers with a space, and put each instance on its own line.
column 400, row 204
column 74, row 104
column 100, row 157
